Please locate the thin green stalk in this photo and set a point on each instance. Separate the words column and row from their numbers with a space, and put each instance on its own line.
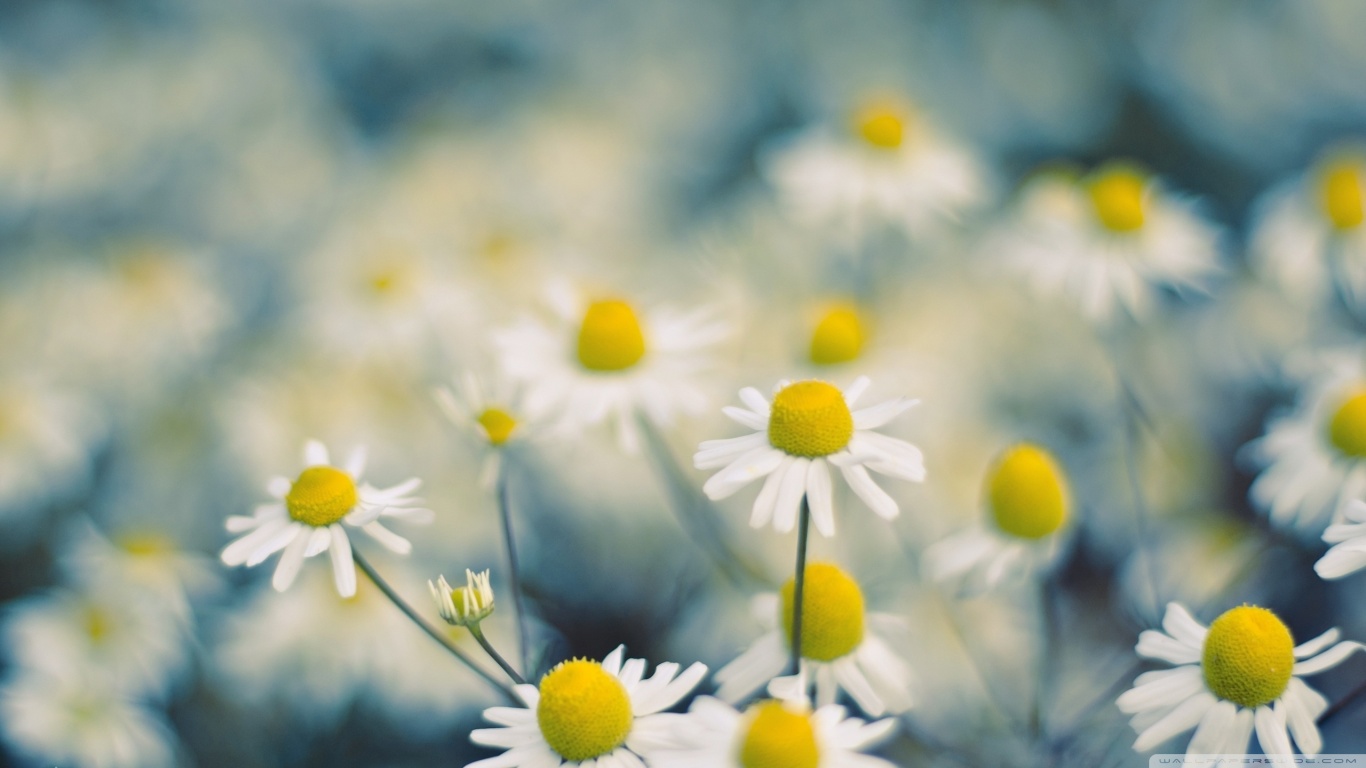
column 514, row 569
column 422, row 624
column 799, row 580
column 493, row 654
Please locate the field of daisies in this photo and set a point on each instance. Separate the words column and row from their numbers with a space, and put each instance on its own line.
column 714, row 384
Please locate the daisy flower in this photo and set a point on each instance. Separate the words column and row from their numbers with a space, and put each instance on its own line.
column 1313, row 459
column 78, row 722
column 308, row 518
column 605, row 359
column 889, row 165
column 838, row 651
column 463, row 606
column 809, row 426
column 839, row 334
column 1027, row 501
column 1348, row 553
column 494, row 416
column 1239, row 674
column 1106, row 242
column 771, row 733
column 586, row 713
column 1309, row 240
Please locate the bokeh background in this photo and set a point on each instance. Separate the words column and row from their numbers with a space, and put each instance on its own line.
column 229, row 227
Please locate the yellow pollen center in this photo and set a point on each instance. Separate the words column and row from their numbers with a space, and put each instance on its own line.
column 832, row 612
column 1248, row 656
column 321, row 496
column 811, row 419
column 1341, row 194
column 145, row 545
column 498, row 425
column 97, row 623
column 458, row 599
column 881, row 126
column 610, row 338
column 1347, row 429
column 1117, row 193
column 838, row 337
column 583, row 712
column 1027, row 493
column 779, row 738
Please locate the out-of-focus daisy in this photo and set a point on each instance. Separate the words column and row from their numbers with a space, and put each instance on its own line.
column 1026, row 496
column 839, row 334
column 308, row 518
column 839, row 652
column 82, row 723
column 1106, row 242
column 888, row 166
column 145, row 561
column 1348, row 553
column 495, row 417
column 809, row 426
column 1309, row 239
column 47, row 436
column 605, row 359
column 770, row 733
column 1313, row 459
column 586, row 713
column 1240, row 673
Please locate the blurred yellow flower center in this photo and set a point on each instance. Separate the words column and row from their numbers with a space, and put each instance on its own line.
column 97, row 623
column 498, row 425
column 1347, row 429
column 1248, row 656
column 810, row 418
column 778, row 738
column 1027, row 493
column 881, row 126
column 321, row 496
column 1341, row 195
column 1117, row 193
column 832, row 612
column 610, row 338
column 145, row 544
column 583, row 712
column 838, row 337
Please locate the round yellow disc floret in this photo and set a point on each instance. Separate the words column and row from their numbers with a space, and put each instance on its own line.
column 838, row 337
column 810, row 418
column 583, row 712
column 1340, row 193
column 881, row 126
column 1248, row 656
column 610, row 338
column 1117, row 194
column 778, row 738
column 1347, row 428
column 321, row 496
column 832, row 612
column 498, row 425
column 1027, row 493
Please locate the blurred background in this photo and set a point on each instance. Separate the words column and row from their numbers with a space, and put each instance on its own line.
column 226, row 228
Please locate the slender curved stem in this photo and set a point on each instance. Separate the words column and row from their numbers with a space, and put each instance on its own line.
column 422, row 624
column 798, row 582
column 1342, row 704
column 493, row 654
column 514, row 569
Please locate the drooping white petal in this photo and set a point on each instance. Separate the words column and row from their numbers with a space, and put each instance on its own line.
column 238, row 551
column 764, row 503
column 788, row 504
column 290, row 563
column 1161, row 688
column 1271, row 733
column 387, row 538
column 876, row 498
column 315, row 454
column 1302, row 706
column 819, row 494
column 343, row 570
column 1328, row 659
column 1215, row 727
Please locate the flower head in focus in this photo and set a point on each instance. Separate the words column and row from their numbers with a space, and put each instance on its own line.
column 843, row 647
column 807, row 428
column 608, row 359
column 588, row 713
column 463, row 606
column 1239, row 674
column 1028, row 505
column 310, row 513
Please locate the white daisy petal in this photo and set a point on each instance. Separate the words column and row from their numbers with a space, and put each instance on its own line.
column 876, row 498
column 238, row 551
column 882, row 413
column 1302, row 706
column 745, row 418
column 290, row 562
column 1161, row 688
column 343, row 570
column 1153, row 644
column 819, row 496
column 1182, row 626
column 718, row 453
column 854, row 391
column 278, row 487
column 355, row 463
column 741, row 472
column 276, row 543
column 764, row 503
column 1215, row 728
column 1271, row 733
column 1311, row 647
column 756, row 401
column 1328, row 659
column 318, row 542
column 315, row 454
column 1342, row 560
column 388, row 539
column 788, row 504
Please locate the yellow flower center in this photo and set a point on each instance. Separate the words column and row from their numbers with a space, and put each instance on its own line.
column 1117, row 193
column 810, row 418
column 98, row 623
column 1340, row 193
column 145, row 544
column 1248, row 656
column 384, row 282
column 1027, row 493
column 498, row 425
column 321, row 496
column 838, row 337
column 832, row 612
column 779, row 738
column 610, row 338
column 583, row 712
column 1347, row 429
column 881, row 125
column 476, row 599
